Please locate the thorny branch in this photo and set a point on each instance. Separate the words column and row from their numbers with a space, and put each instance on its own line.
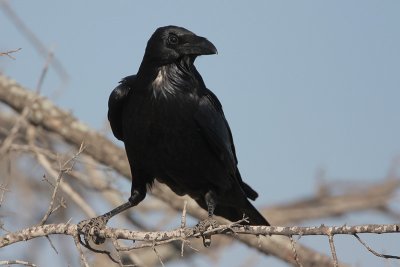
column 63, row 170
column 161, row 237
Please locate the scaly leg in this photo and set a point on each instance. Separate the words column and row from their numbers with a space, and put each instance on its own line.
column 208, row 223
column 91, row 227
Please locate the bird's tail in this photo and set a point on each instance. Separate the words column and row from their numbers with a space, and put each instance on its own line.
column 255, row 217
column 235, row 214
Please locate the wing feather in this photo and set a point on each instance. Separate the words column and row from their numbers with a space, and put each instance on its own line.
column 116, row 104
column 215, row 128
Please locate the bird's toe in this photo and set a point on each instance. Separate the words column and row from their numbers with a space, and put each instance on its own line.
column 91, row 228
column 206, row 225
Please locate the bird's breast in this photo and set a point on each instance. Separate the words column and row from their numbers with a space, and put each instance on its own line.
column 158, row 127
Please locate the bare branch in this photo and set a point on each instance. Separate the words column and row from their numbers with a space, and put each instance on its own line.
column 159, row 237
column 386, row 256
column 183, row 225
column 10, row 262
column 79, row 248
column 32, row 38
column 65, row 187
column 26, row 109
column 116, row 245
column 374, row 196
column 183, row 219
column 158, row 256
column 51, row 244
column 296, row 256
column 62, row 171
column 8, row 53
column 333, row 251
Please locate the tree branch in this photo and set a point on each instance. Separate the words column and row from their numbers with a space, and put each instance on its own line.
column 152, row 239
column 8, row 53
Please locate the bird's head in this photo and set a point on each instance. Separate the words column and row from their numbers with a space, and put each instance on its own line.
column 171, row 43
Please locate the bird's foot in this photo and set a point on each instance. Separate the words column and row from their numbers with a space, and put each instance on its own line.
column 203, row 226
column 91, row 228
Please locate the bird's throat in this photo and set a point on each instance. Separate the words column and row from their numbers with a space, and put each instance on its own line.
column 161, row 76
column 174, row 78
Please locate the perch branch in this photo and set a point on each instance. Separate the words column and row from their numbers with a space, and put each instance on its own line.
column 153, row 239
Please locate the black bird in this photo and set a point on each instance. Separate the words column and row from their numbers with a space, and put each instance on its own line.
column 174, row 130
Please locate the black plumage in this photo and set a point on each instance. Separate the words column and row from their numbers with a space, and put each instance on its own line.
column 174, row 129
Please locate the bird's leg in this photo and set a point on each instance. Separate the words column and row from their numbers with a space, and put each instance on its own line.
column 208, row 223
column 92, row 227
column 211, row 203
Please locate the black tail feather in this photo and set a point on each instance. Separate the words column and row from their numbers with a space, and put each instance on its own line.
column 235, row 214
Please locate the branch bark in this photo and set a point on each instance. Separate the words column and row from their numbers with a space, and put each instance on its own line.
column 177, row 234
column 161, row 237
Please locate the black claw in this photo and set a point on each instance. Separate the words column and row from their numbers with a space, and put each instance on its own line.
column 203, row 226
column 91, row 228
column 206, row 240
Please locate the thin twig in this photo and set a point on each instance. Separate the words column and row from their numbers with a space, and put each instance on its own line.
column 86, row 245
column 386, row 256
column 159, row 257
column 44, row 72
column 183, row 218
column 10, row 262
column 149, row 245
column 51, row 244
column 79, row 248
column 333, row 250
column 116, row 245
column 183, row 225
column 50, row 209
column 62, row 171
column 32, row 38
column 77, row 198
column 8, row 53
column 296, row 256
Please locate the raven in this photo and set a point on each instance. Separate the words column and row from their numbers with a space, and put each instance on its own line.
column 175, row 131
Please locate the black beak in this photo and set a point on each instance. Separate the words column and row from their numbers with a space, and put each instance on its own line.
column 197, row 45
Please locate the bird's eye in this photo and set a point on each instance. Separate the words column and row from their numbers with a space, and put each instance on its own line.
column 173, row 39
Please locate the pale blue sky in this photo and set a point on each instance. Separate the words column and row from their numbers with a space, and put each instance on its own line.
column 304, row 84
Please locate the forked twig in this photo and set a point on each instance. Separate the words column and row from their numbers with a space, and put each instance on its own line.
column 63, row 170
column 8, row 53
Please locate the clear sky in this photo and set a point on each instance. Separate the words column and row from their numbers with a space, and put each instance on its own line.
column 304, row 84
